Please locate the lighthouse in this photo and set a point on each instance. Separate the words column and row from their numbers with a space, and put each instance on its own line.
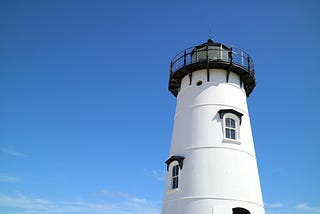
column 212, row 166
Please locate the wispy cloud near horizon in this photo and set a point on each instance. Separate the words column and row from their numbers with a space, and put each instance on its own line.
column 291, row 208
column 305, row 207
column 158, row 175
column 114, row 194
column 12, row 152
column 9, row 179
column 273, row 205
column 31, row 205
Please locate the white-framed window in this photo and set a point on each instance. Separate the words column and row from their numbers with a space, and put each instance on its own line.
column 231, row 127
column 174, row 167
column 231, row 120
column 175, row 177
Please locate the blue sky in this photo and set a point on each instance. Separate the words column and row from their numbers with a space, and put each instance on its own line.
column 86, row 117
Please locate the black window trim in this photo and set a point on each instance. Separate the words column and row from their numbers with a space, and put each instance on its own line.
column 175, row 158
column 222, row 112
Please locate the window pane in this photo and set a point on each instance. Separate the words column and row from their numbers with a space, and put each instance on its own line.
column 175, row 183
column 228, row 122
column 175, row 170
column 227, row 133
column 232, row 123
column 233, row 134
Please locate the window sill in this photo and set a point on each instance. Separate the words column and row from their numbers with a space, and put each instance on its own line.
column 225, row 140
column 172, row 191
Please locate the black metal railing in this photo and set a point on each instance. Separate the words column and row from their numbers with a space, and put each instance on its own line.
column 213, row 53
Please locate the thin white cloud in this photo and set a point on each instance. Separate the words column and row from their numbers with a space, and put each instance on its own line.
column 9, row 179
column 12, row 152
column 114, row 194
column 158, row 175
column 305, row 207
column 301, row 208
column 273, row 205
column 139, row 204
column 30, row 205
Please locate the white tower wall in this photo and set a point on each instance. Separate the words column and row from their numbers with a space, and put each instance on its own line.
column 217, row 174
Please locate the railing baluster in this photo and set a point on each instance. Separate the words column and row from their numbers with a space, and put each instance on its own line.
column 231, row 55
column 242, row 63
column 197, row 57
column 207, row 54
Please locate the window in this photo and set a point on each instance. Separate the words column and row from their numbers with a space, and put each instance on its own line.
column 174, row 165
column 175, row 177
column 230, row 128
column 240, row 210
column 231, row 124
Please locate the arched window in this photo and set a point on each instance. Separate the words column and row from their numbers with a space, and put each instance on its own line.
column 240, row 210
column 174, row 165
column 231, row 124
column 175, row 177
column 230, row 128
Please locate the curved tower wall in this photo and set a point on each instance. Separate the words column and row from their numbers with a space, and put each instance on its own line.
column 218, row 174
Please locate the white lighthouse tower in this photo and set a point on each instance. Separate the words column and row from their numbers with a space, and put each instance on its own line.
column 212, row 167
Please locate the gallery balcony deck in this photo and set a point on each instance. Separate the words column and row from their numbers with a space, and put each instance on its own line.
column 208, row 56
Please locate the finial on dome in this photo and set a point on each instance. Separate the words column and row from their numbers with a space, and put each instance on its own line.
column 210, row 41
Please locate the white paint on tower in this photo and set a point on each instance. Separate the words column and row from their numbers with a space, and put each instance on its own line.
column 212, row 167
